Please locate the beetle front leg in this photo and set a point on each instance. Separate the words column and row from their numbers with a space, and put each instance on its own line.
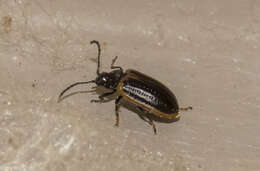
column 116, row 109
column 101, row 97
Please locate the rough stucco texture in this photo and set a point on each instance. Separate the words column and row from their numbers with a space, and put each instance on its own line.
column 205, row 51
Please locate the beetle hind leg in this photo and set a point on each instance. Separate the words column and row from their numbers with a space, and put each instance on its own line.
column 100, row 100
column 117, row 105
column 186, row 108
column 151, row 122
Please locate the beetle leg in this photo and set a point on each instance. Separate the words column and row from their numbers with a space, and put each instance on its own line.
column 141, row 115
column 151, row 122
column 116, row 109
column 116, row 67
column 141, row 109
column 101, row 97
column 143, row 118
column 186, row 108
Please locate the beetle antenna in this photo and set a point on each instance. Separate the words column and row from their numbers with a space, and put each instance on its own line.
column 99, row 53
column 77, row 83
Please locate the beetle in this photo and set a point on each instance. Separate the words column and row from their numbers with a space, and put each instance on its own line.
column 147, row 94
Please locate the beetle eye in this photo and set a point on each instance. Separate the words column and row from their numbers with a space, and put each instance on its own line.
column 104, row 79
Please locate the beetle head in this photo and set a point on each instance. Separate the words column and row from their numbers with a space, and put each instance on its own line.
column 108, row 80
column 103, row 79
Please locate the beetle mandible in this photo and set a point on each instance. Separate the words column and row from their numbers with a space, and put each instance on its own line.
column 147, row 94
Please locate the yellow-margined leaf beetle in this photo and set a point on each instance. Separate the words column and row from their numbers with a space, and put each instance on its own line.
column 147, row 94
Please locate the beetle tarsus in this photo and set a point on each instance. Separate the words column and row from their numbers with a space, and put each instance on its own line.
column 113, row 61
column 117, row 105
column 97, row 101
column 117, row 120
column 186, row 108
column 154, row 127
column 116, row 67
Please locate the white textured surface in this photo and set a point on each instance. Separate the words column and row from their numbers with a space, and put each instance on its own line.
column 207, row 52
